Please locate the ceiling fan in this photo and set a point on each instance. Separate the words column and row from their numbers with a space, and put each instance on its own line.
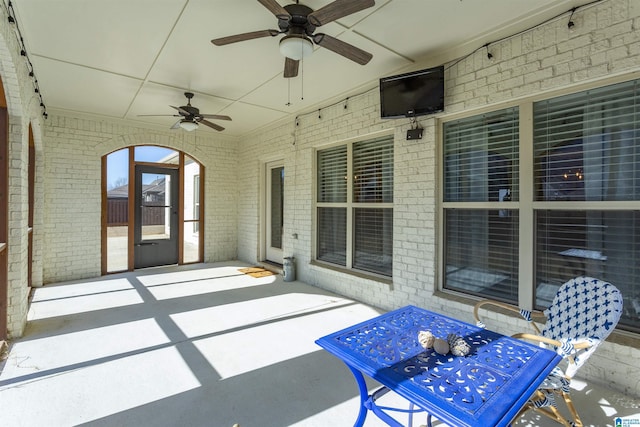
column 191, row 117
column 298, row 22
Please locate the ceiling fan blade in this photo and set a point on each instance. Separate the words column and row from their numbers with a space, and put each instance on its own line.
column 290, row 67
column 176, row 125
column 211, row 125
column 347, row 50
column 275, row 8
column 214, row 116
column 244, row 36
column 185, row 112
column 338, row 9
column 158, row 115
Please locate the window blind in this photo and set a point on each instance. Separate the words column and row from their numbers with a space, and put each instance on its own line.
column 481, row 157
column 332, row 175
column 481, row 252
column 373, row 171
column 373, row 240
column 586, row 146
column 586, row 150
column 600, row 244
column 481, row 165
column 332, row 235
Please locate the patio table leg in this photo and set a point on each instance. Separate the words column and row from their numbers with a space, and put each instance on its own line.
column 364, row 395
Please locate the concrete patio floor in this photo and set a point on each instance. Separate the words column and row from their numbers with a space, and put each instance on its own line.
column 199, row 345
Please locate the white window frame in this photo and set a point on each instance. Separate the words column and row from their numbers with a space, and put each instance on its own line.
column 526, row 205
column 349, row 205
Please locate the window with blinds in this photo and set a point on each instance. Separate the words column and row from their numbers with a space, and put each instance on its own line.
column 586, row 145
column 481, row 232
column 355, row 205
column 586, row 152
column 583, row 215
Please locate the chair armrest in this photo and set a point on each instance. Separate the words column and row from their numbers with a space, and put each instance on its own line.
column 502, row 305
column 567, row 351
column 537, row 338
column 580, row 345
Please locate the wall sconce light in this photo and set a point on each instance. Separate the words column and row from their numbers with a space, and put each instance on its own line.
column 489, row 54
column 571, row 25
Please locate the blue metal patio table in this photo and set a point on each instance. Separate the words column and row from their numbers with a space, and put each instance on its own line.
column 488, row 387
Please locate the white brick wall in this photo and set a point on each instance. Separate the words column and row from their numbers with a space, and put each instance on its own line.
column 605, row 43
column 24, row 108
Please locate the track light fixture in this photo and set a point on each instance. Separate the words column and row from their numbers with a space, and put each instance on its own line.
column 11, row 17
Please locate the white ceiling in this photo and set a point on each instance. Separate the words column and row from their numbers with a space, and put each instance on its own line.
column 125, row 58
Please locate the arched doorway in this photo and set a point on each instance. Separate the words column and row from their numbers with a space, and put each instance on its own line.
column 157, row 220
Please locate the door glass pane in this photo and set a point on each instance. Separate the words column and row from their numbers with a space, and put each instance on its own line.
column 191, row 242
column 153, row 154
column 277, row 200
column 191, row 189
column 155, row 219
column 117, row 210
column 191, row 213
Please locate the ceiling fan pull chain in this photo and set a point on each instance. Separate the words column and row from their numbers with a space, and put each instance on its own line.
column 302, row 80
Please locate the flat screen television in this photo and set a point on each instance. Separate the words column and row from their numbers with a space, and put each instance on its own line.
column 412, row 94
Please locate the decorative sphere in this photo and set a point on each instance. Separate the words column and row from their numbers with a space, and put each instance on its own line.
column 440, row 346
column 425, row 338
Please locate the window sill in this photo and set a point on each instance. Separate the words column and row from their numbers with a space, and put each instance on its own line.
column 357, row 273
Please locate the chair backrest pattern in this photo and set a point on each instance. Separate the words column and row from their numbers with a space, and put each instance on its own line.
column 583, row 308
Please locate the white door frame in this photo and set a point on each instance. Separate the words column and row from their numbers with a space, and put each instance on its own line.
column 271, row 253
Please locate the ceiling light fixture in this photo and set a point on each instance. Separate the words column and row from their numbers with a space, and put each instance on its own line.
column 296, row 47
column 188, row 125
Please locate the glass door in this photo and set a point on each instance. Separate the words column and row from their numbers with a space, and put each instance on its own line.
column 156, row 216
column 274, row 212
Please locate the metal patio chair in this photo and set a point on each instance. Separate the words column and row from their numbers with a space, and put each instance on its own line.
column 583, row 313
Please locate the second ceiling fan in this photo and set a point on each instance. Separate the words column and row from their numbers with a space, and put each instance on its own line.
column 298, row 23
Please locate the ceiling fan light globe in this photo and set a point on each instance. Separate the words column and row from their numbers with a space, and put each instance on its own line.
column 296, row 47
column 188, row 125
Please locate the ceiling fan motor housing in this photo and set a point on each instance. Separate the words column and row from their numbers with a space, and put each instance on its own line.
column 193, row 111
column 299, row 23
